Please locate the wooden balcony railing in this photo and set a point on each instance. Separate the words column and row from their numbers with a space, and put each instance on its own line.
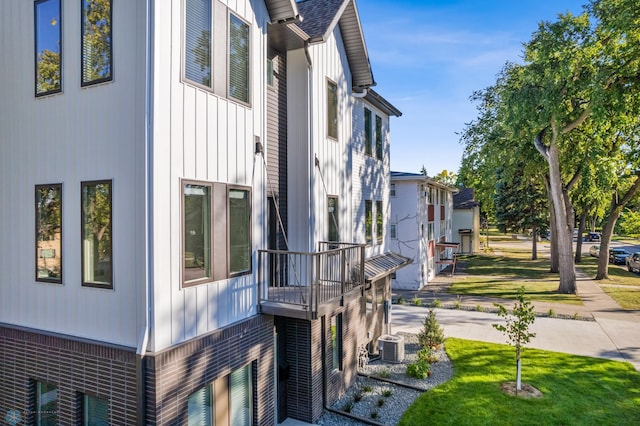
column 298, row 283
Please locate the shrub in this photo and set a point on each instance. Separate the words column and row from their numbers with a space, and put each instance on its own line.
column 380, row 402
column 417, row 301
column 374, row 414
column 419, row 369
column 400, row 300
column 436, row 303
column 427, row 355
column 357, row 397
column 387, row 393
column 431, row 335
column 367, row 389
column 479, row 308
column 551, row 313
column 385, row 373
column 347, row 407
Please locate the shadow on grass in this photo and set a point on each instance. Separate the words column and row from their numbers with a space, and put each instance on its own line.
column 577, row 390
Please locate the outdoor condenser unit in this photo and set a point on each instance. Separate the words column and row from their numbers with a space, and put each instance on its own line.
column 391, row 348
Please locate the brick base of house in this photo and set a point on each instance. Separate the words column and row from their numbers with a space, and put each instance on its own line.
column 79, row 367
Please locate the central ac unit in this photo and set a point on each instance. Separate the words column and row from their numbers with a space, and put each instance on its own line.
column 391, row 348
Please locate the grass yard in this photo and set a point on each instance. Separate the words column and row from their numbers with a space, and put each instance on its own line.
column 502, row 275
column 577, row 390
column 623, row 286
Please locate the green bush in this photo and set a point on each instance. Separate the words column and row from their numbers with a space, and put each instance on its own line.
column 419, row 369
column 431, row 335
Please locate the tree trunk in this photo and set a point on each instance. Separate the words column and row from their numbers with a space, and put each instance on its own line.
column 553, row 255
column 518, row 372
column 534, row 244
column 565, row 244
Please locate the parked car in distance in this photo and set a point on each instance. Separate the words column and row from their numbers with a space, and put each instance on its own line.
column 594, row 250
column 592, row 236
column 633, row 262
column 618, row 256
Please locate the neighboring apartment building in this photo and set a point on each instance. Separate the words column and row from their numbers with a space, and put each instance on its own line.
column 152, row 153
column 466, row 221
column 420, row 227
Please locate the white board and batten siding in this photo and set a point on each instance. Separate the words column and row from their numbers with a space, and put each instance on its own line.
column 201, row 136
column 370, row 176
column 81, row 134
column 310, row 185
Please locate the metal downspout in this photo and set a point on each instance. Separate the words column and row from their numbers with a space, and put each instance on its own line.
column 141, row 398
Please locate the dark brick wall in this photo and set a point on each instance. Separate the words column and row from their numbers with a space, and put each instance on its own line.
column 175, row 373
column 73, row 366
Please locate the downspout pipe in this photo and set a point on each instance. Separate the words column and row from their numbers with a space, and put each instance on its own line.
column 143, row 337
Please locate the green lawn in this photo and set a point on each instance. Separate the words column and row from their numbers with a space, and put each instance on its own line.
column 577, row 390
column 502, row 275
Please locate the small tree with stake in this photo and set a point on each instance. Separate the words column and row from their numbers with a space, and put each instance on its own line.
column 517, row 328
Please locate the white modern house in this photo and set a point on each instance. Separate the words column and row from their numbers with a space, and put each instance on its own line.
column 421, row 228
column 180, row 182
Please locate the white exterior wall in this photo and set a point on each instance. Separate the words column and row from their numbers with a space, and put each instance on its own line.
column 81, row 134
column 467, row 219
column 407, row 214
column 198, row 135
column 370, row 177
column 310, row 185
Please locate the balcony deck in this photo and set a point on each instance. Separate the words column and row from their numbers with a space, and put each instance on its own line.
column 303, row 285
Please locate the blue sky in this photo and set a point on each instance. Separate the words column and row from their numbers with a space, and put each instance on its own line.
column 429, row 56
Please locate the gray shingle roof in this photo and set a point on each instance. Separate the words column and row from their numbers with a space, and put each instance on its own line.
column 384, row 264
column 464, row 199
column 318, row 15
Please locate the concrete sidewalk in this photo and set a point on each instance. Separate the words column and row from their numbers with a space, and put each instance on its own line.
column 610, row 332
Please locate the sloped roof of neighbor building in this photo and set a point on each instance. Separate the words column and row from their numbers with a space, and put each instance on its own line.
column 465, row 199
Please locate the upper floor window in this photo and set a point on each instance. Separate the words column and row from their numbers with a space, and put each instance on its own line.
column 46, row 404
column 97, row 256
column 206, row 23
column 378, row 137
column 332, row 110
column 49, row 233
column 368, row 217
column 393, row 231
column 379, row 221
column 368, row 136
column 392, row 190
column 95, row 411
column 332, row 218
column 48, row 47
column 216, row 229
column 96, row 46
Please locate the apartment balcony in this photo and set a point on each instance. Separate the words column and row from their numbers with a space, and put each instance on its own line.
column 308, row 285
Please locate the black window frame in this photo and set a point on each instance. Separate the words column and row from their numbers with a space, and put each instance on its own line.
column 85, row 82
column 368, row 133
column 368, row 222
column 59, row 24
column 38, row 411
column 230, row 17
column 207, row 257
column 379, row 221
column 332, row 114
column 94, row 283
column 379, row 139
column 39, row 250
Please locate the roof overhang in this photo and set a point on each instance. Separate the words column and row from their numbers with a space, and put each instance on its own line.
column 375, row 99
column 282, row 10
column 384, row 264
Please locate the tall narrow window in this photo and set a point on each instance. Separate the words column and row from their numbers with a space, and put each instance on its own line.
column 332, row 110
column 379, row 221
column 336, row 341
column 200, row 407
column 270, row 73
column 378, row 138
column 197, row 41
column 49, row 233
column 368, row 217
column 239, row 231
column 97, row 262
column 392, row 190
column 196, row 252
column 368, row 137
column 95, row 411
column 241, row 395
column 48, row 47
column 238, row 59
column 393, row 231
column 332, row 219
column 96, row 49
column 46, row 404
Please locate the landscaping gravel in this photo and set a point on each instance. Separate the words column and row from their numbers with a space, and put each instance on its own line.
column 388, row 409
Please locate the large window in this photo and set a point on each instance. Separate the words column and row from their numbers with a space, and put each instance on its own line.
column 228, row 400
column 368, row 134
column 48, row 47
column 217, row 44
column 96, row 47
column 332, row 110
column 196, row 211
column 49, row 233
column 97, row 262
column 95, row 411
column 379, row 221
column 239, row 231
column 216, row 222
column 46, row 404
column 378, row 138
column 238, row 59
column 368, row 218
